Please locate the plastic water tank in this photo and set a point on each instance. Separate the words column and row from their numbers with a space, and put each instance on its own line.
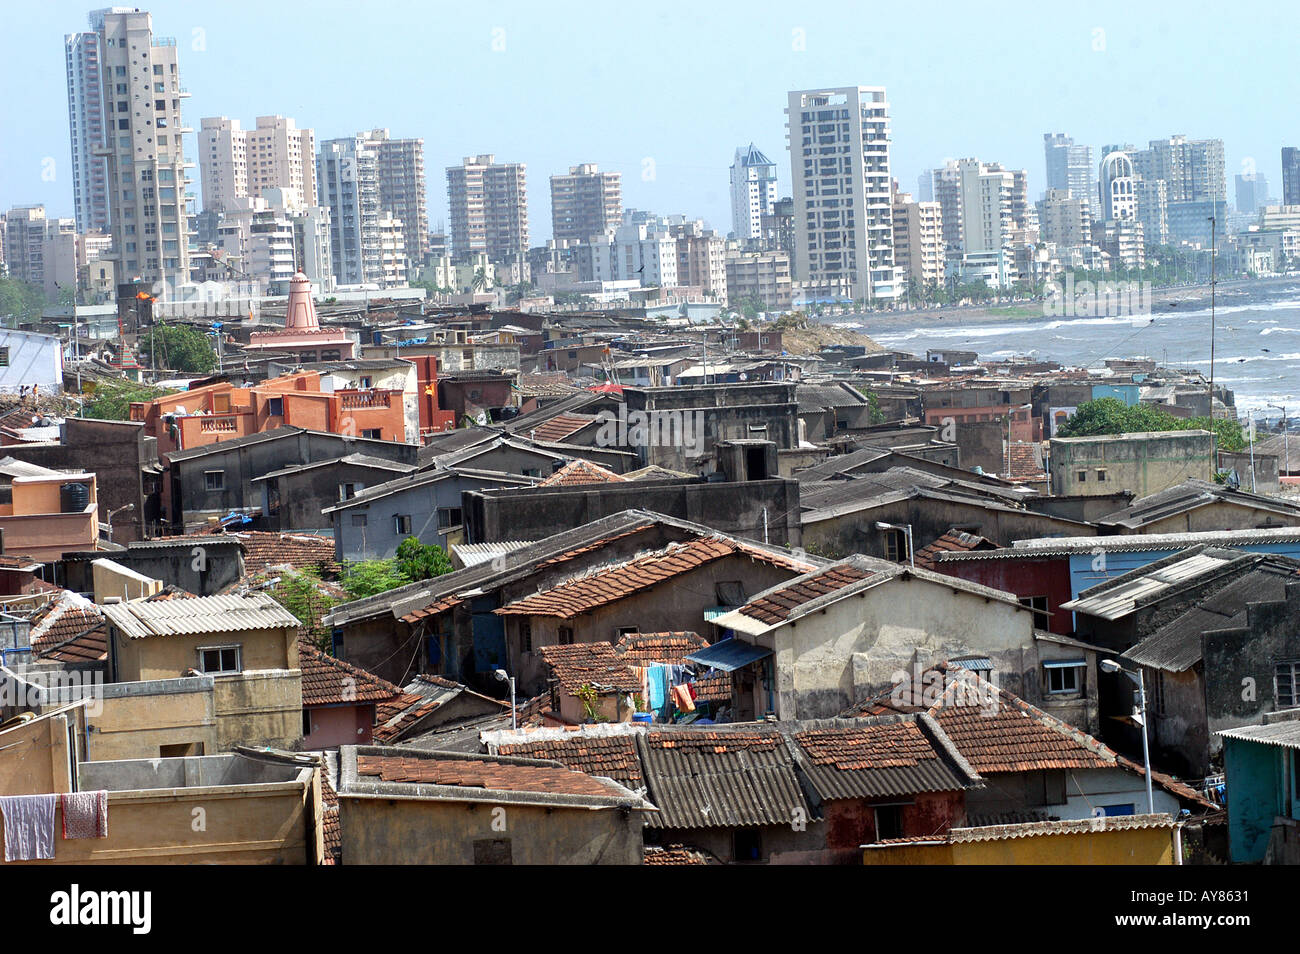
column 74, row 498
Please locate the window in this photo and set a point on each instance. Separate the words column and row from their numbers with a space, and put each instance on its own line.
column 747, row 845
column 1042, row 618
column 358, row 520
column 1083, row 476
column 219, row 659
column 492, row 851
column 306, row 722
column 214, row 480
column 1049, row 787
column 1063, row 676
column 889, row 822
column 566, row 636
column 525, row 637
column 402, row 524
column 373, row 433
column 4, row 357
column 1101, row 474
column 1286, row 681
column 348, row 491
column 895, row 546
column 449, row 517
column 365, row 383
column 275, row 407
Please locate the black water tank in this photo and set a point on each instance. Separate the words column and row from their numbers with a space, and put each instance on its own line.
column 74, row 498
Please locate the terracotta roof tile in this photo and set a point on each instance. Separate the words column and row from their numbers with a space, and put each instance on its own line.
column 776, row 606
column 612, row 756
column 642, row 649
column 559, row 427
column 581, row 472
column 485, row 774
column 951, row 542
column 595, row 664
column 329, row 681
column 301, row 551
column 609, row 584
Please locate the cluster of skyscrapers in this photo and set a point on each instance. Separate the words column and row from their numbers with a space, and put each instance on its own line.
column 353, row 211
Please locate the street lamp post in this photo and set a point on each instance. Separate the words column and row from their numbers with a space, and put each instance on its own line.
column 111, row 514
column 1110, row 665
column 502, row 676
column 1286, row 444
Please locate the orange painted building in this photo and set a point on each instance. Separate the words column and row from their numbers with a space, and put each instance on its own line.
column 433, row 419
column 222, row 412
column 50, row 513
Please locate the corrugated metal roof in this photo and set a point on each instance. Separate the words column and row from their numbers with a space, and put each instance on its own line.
column 720, row 777
column 729, row 654
column 1283, row 734
column 204, row 614
column 1115, row 602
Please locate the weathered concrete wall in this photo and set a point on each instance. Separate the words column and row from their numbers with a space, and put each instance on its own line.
column 332, row 726
column 259, row 709
column 168, row 657
column 1137, row 846
column 380, row 831
column 1144, row 464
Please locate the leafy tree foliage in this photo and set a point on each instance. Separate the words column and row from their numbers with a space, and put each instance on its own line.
column 111, row 400
column 414, row 561
column 179, row 347
column 1112, row 416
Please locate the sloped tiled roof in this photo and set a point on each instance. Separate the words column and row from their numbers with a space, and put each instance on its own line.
column 775, row 605
column 952, row 542
column 594, row 664
column 611, row 756
column 485, row 774
column 402, row 714
column 62, row 624
column 581, row 472
column 560, row 427
column 643, row 649
column 329, row 681
column 609, row 584
column 301, row 551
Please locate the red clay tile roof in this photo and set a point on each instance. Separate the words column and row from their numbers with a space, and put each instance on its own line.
column 775, row 607
column 67, row 625
column 301, row 551
column 594, row 664
column 595, row 545
column 715, row 688
column 393, row 716
column 612, row 756
column 328, row 681
column 331, row 830
column 559, row 427
column 951, row 542
column 484, row 774
column 609, row 584
column 433, row 609
column 581, row 472
column 717, row 742
column 888, row 745
column 642, row 649
column 1027, row 461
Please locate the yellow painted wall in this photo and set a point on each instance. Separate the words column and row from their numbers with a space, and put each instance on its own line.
column 136, row 727
column 34, row 756
column 169, row 657
column 259, row 708
column 113, row 579
column 1137, row 846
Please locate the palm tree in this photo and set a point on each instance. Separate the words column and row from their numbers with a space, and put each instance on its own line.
column 480, row 280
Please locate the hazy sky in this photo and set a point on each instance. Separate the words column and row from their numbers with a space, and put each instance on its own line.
column 666, row 91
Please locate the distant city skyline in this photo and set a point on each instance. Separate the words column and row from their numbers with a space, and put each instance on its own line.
column 507, row 82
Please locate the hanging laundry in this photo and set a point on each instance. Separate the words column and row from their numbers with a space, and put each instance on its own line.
column 682, row 698
column 658, row 687
column 85, row 814
column 29, row 826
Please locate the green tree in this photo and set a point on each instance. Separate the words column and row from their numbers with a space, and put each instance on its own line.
column 1112, row 416
column 300, row 593
column 112, row 400
column 20, row 302
column 371, row 577
column 421, row 561
column 180, row 348
column 481, row 282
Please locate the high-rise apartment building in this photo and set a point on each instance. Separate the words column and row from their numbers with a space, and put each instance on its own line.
column 399, row 164
column 87, row 124
column 1193, row 169
column 1290, row 175
column 1118, row 188
column 237, row 164
column 143, row 139
column 1252, row 192
column 1063, row 219
column 839, row 164
column 753, row 193
column 586, row 202
column 986, row 205
column 918, row 240
column 946, row 189
column 488, row 202
column 1069, row 168
column 348, row 185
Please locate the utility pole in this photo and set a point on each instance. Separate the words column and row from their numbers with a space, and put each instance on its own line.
column 1212, row 255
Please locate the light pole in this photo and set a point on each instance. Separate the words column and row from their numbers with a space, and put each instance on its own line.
column 1286, row 444
column 907, row 530
column 111, row 513
column 1110, row 665
column 503, row 677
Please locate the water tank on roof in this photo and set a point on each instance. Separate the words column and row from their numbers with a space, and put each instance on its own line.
column 73, row 498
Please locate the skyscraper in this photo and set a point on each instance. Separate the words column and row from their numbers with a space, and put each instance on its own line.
column 143, row 140
column 237, row 164
column 1252, row 192
column 946, row 189
column 753, row 193
column 839, row 164
column 1069, row 167
column 488, row 201
column 1193, row 169
column 348, row 184
column 585, row 202
column 399, row 164
column 1290, row 175
column 83, row 55
column 1119, row 198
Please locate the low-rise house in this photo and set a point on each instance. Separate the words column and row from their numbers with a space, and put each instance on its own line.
column 429, row 703
column 30, row 360
column 1145, row 463
column 407, row 806
column 1200, row 505
column 256, row 807
column 815, row 643
column 590, row 682
column 45, row 513
column 339, row 701
column 295, row 497
column 247, row 646
column 1259, row 766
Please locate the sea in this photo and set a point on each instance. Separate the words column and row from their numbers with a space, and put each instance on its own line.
column 1256, row 353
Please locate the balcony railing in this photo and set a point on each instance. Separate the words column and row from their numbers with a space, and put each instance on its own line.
column 218, row 425
column 372, row 399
